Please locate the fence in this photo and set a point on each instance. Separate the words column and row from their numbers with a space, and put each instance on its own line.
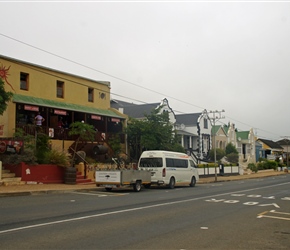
column 207, row 171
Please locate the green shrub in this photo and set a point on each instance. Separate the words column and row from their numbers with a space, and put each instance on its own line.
column 261, row 165
column 42, row 147
column 272, row 165
column 266, row 164
column 209, row 165
column 58, row 158
column 253, row 167
column 27, row 156
column 233, row 157
column 220, row 153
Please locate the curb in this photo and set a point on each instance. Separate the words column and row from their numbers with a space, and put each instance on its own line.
column 201, row 181
column 39, row 192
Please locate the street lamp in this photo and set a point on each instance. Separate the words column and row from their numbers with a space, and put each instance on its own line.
column 216, row 115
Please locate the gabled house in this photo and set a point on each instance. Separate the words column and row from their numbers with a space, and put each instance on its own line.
column 244, row 141
column 195, row 132
column 194, row 129
column 271, row 148
column 246, row 146
column 231, row 133
column 220, row 136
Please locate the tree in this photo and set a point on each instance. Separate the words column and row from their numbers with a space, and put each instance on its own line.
column 220, row 153
column 155, row 132
column 5, row 97
column 83, row 131
column 230, row 148
column 232, row 154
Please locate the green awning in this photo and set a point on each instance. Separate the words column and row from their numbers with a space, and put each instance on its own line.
column 63, row 105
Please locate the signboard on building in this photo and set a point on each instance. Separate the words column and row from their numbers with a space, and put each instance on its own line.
column 96, row 117
column 59, row 112
column 31, row 108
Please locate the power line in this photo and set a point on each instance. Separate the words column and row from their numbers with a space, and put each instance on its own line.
column 104, row 73
column 120, row 79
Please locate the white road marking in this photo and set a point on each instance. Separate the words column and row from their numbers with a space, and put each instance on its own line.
column 99, row 194
column 265, row 215
column 272, row 204
column 132, row 209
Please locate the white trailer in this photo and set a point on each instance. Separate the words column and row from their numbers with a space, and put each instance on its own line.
column 119, row 178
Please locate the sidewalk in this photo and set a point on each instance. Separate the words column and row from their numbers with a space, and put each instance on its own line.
column 29, row 189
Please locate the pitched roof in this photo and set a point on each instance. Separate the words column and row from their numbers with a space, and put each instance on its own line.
column 139, row 111
column 116, row 104
column 188, row 119
column 244, row 135
column 226, row 128
column 271, row 143
column 134, row 110
column 284, row 142
column 215, row 129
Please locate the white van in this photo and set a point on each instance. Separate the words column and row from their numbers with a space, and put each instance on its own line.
column 169, row 168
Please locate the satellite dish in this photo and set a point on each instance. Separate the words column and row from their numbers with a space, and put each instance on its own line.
column 182, row 126
column 239, row 139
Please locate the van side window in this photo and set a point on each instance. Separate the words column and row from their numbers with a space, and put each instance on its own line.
column 169, row 163
column 181, row 163
column 176, row 163
column 151, row 163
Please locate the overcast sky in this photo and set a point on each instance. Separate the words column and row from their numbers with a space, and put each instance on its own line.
column 199, row 55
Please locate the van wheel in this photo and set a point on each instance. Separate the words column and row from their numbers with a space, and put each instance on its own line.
column 193, row 182
column 171, row 183
column 137, row 186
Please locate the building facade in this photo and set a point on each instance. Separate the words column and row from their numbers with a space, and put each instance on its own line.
column 195, row 131
column 60, row 98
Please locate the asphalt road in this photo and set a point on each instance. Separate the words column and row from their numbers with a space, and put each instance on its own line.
column 248, row 214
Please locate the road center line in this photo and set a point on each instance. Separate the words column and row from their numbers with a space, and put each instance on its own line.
column 132, row 209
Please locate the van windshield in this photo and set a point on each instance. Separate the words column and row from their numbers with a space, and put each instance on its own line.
column 150, row 163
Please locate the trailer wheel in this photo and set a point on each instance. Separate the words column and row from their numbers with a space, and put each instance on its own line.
column 108, row 189
column 171, row 183
column 137, row 186
column 193, row 182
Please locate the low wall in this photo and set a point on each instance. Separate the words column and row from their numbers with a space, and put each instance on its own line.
column 42, row 173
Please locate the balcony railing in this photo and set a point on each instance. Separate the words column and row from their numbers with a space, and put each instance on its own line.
column 63, row 133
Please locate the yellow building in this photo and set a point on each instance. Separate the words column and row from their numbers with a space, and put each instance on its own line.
column 60, row 98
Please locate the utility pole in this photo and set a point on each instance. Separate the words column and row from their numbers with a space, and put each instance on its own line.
column 216, row 115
